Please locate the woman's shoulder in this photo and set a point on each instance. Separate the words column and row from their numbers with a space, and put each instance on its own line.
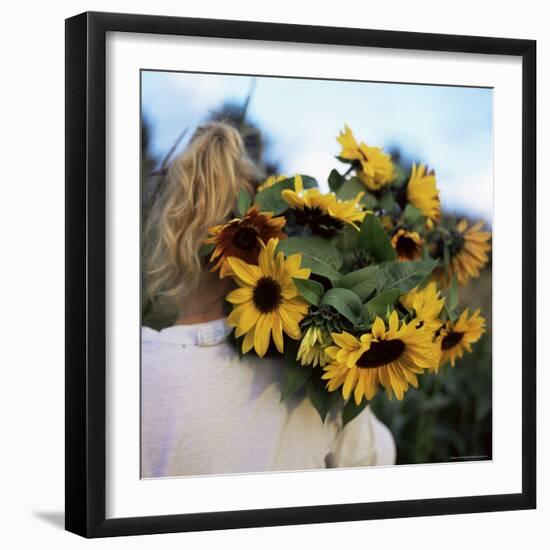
column 208, row 350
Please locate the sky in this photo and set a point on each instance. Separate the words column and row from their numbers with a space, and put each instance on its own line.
column 447, row 128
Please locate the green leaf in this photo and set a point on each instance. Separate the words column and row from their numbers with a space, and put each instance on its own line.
column 294, row 374
column 236, row 342
column 206, row 249
column 320, row 255
column 345, row 302
column 310, row 290
column 413, row 215
column 335, row 180
column 351, row 410
column 436, row 403
column 346, row 239
column 404, row 275
column 243, row 202
column 387, row 202
column 453, row 293
column 318, row 398
column 321, row 399
column 349, row 190
column 271, row 199
column 446, row 257
column 379, row 304
column 362, row 281
column 344, row 160
column 401, row 176
column 452, row 315
column 451, row 304
column 374, row 240
column 389, row 297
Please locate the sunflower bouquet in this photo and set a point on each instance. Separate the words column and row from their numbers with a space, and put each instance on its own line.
column 357, row 288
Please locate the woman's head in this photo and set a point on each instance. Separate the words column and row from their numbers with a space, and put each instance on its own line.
column 200, row 190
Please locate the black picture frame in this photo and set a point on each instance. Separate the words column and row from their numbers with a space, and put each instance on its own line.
column 86, row 284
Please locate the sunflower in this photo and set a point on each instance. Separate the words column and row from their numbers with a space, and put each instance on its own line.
column 241, row 238
column 468, row 253
column 391, row 357
column 374, row 167
column 423, row 194
column 270, row 182
column 455, row 338
column 267, row 301
column 408, row 245
column 325, row 215
column 426, row 303
column 313, row 345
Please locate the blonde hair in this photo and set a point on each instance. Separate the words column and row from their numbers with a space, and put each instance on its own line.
column 200, row 190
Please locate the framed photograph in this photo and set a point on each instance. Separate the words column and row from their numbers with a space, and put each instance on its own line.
column 300, row 274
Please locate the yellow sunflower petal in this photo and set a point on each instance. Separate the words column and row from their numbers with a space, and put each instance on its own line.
column 393, row 323
column 332, row 351
column 345, row 340
column 292, row 263
column 278, row 333
column 240, row 295
column 248, row 318
column 348, row 384
column 378, row 328
column 354, row 356
column 359, row 388
column 235, row 315
column 247, row 273
column 262, row 334
column 290, row 322
column 248, row 341
column 289, row 290
column 298, row 184
column 292, row 199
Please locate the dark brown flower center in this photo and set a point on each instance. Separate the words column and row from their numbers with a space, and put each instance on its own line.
column 407, row 247
column 457, row 243
column 319, row 222
column 381, row 353
column 267, row 295
column 246, row 237
column 451, row 340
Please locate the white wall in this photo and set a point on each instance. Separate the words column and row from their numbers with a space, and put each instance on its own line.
column 31, row 272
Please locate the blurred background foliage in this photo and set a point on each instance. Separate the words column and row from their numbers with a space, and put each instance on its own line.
column 449, row 417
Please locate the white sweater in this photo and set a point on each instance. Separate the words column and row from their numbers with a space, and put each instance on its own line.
column 205, row 411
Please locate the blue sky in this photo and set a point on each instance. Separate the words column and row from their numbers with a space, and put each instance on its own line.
column 448, row 128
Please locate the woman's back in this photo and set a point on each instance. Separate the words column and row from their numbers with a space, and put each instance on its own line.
column 206, row 411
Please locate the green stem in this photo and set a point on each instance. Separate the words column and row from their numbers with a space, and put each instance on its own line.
column 348, row 171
